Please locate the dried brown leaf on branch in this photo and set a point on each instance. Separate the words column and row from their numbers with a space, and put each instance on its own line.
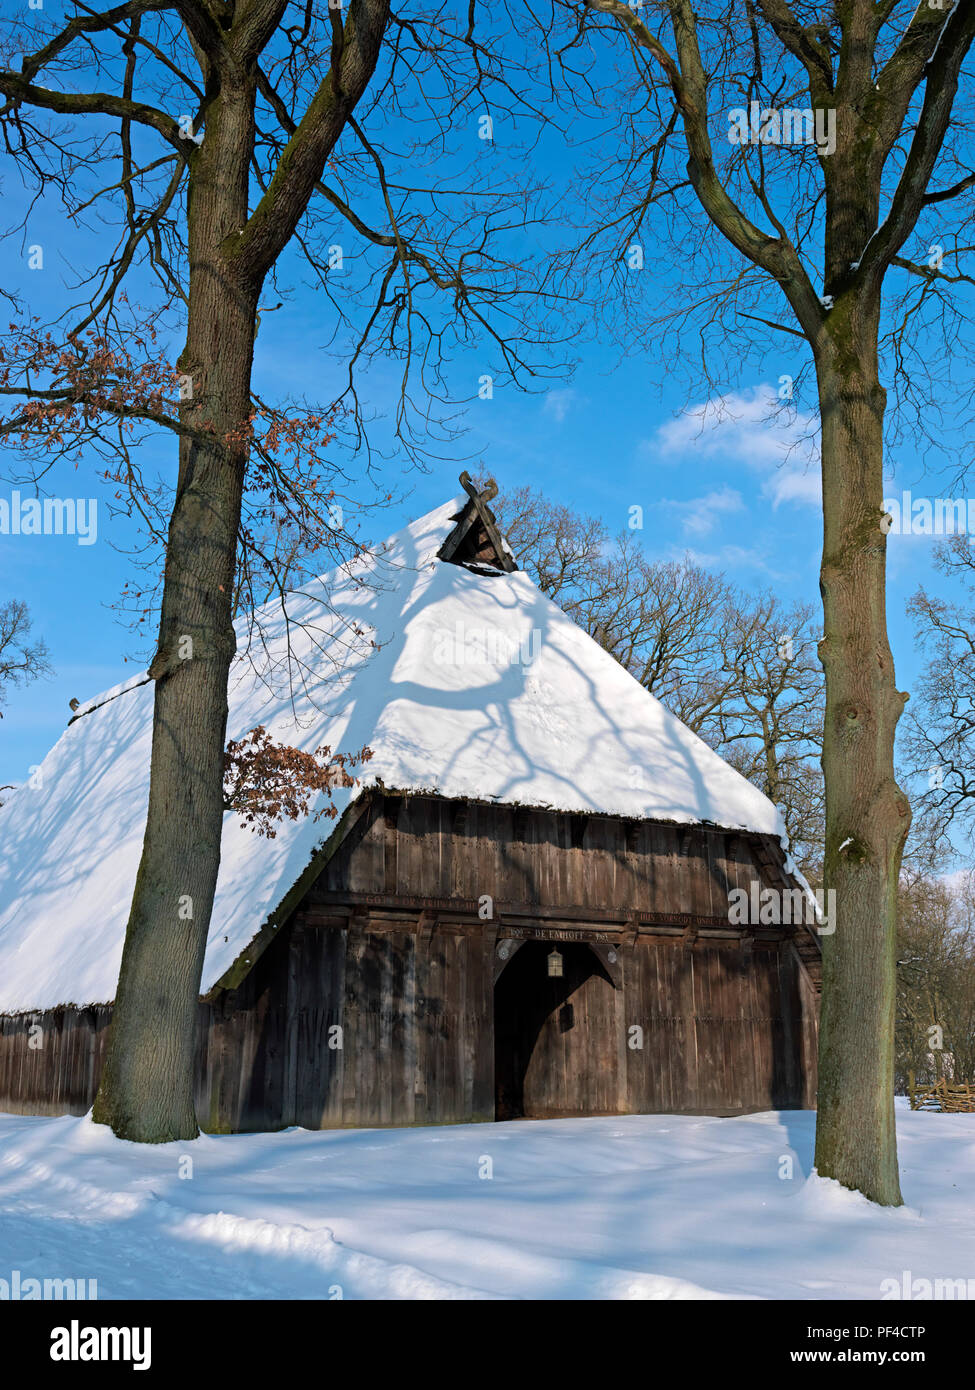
column 266, row 781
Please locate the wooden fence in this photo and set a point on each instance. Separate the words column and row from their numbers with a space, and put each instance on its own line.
column 954, row 1097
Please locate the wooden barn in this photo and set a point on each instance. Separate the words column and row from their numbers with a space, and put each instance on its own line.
column 523, row 910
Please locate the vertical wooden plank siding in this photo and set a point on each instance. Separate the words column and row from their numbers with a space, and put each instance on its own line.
column 363, row 1011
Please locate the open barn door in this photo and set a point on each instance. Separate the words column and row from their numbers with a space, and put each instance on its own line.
column 555, row 1034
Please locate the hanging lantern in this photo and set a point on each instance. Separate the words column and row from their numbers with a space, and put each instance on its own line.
column 555, row 963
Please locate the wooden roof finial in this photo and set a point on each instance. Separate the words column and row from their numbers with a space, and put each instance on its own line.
column 476, row 538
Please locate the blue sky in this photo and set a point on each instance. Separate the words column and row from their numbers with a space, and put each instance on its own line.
column 718, row 483
column 719, row 486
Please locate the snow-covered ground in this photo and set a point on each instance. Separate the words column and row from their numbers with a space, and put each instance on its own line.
column 639, row 1206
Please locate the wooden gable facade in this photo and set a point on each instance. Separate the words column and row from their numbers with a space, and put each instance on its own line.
column 405, row 979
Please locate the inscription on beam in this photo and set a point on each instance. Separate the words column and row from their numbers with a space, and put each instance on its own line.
column 611, row 917
column 552, row 934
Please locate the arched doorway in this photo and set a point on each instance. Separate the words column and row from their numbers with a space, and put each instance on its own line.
column 555, row 1036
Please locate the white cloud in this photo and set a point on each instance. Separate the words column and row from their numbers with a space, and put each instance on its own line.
column 558, row 403
column 959, row 880
column 749, row 428
column 732, row 559
column 699, row 515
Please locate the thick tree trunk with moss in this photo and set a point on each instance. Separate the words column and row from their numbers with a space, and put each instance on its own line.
column 146, row 1090
column 867, row 815
column 888, row 80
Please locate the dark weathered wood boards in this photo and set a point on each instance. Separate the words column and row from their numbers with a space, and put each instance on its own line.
column 408, row 984
column 50, row 1061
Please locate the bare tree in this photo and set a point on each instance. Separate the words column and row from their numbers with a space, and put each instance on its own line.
column 769, row 720
column 737, row 668
column 220, row 134
column 660, row 619
column 557, row 546
column 812, row 143
column 22, row 659
column 935, row 981
column 940, row 732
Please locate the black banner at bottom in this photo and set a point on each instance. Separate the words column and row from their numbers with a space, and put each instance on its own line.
column 175, row 1339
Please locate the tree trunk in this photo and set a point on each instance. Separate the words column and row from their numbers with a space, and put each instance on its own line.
column 146, row 1091
column 867, row 814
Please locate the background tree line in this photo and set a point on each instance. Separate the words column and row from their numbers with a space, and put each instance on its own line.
column 738, row 667
column 935, row 1033
column 936, row 930
column 23, row 657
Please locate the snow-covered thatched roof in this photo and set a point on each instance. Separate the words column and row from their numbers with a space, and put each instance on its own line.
column 462, row 682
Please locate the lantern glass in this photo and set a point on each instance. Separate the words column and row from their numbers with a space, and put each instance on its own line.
column 555, row 963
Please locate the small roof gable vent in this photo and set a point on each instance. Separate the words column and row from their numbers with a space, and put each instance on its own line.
column 476, row 540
